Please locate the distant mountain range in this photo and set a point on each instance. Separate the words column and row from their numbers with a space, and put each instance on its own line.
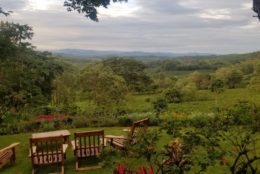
column 80, row 53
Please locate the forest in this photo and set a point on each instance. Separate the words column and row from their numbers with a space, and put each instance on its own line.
column 209, row 105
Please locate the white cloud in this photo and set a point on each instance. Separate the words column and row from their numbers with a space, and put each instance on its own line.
column 33, row 5
column 120, row 10
column 223, row 26
column 218, row 14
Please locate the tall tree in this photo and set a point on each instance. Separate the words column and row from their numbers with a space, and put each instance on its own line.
column 105, row 88
column 14, row 37
column 133, row 72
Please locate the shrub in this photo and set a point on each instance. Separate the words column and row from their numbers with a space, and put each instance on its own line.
column 242, row 113
column 159, row 106
column 173, row 96
column 125, row 121
column 200, row 120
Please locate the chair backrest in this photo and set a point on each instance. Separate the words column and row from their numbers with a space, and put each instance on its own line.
column 90, row 143
column 47, row 150
column 138, row 125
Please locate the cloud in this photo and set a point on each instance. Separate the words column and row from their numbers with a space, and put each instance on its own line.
column 218, row 14
column 13, row 5
column 140, row 25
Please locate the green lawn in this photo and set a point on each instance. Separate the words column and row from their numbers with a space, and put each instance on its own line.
column 23, row 163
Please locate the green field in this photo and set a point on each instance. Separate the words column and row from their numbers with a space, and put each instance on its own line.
column 204, row 101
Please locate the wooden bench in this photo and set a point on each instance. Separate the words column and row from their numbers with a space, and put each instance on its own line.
column 47, row 151
column 86, row 145
column 7, row 154
column 119, row 142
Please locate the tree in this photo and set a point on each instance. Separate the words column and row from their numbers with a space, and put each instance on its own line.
column 256, row 7
column 6, row 13
column 230, row 76
column 255, row 83
column 105, row 88
column 132, row 71
column 217, row 87
column 13, row 37
column 88, row 7
column 29, row 82
column 200, row 80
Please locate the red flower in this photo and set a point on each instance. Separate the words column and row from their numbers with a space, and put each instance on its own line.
column 121, row 169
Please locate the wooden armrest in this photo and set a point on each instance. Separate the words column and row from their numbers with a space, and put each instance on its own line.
column 73, row 144
column 34, row 151
column 9, row 147
column 64, row 147
column 114, row 137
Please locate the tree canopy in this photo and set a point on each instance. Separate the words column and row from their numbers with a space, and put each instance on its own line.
column 88, row 7
column 256, row 7
column 6, row 13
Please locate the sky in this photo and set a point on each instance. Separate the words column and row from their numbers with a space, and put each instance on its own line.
column 180, row 26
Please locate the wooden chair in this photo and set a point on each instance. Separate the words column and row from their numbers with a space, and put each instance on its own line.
column 119, row 142
column 47, row 151
column 7, row 154
column 86, row 145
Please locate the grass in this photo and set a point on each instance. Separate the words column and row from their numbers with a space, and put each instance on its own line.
column 23, row 163
column 140, row 103
column 204, row 101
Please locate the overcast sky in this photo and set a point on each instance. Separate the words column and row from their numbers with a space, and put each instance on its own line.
column 209, row 26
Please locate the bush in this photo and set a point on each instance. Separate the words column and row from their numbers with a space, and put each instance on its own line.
column 242, row 113
column 200, row 120
column 125, row 121
column 159, row 106
column 173, row 96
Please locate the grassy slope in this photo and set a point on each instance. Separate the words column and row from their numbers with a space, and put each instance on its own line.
column 207, row 101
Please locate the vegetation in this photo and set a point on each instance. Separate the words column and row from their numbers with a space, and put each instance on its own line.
column 206, row 109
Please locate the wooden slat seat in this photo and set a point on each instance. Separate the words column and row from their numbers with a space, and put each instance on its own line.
column 119, row 142
column 93, row 151
column 47, row 159
column 86, row 145
column 8, row 154
column 47, row 151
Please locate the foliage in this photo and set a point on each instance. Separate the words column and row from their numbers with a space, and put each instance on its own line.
column 201, row 81
column 13, row 38
column 243, row 113
column 243, row 151
column 172, row 159
column 89, row 7
column 101, row 85
column 230, row 76
column 255, row 83
column 64, row 90
column 173, row 96
column 28, row 82
column 159, row 106
column 133, row 73
column 6, row 13
column 145, row 144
